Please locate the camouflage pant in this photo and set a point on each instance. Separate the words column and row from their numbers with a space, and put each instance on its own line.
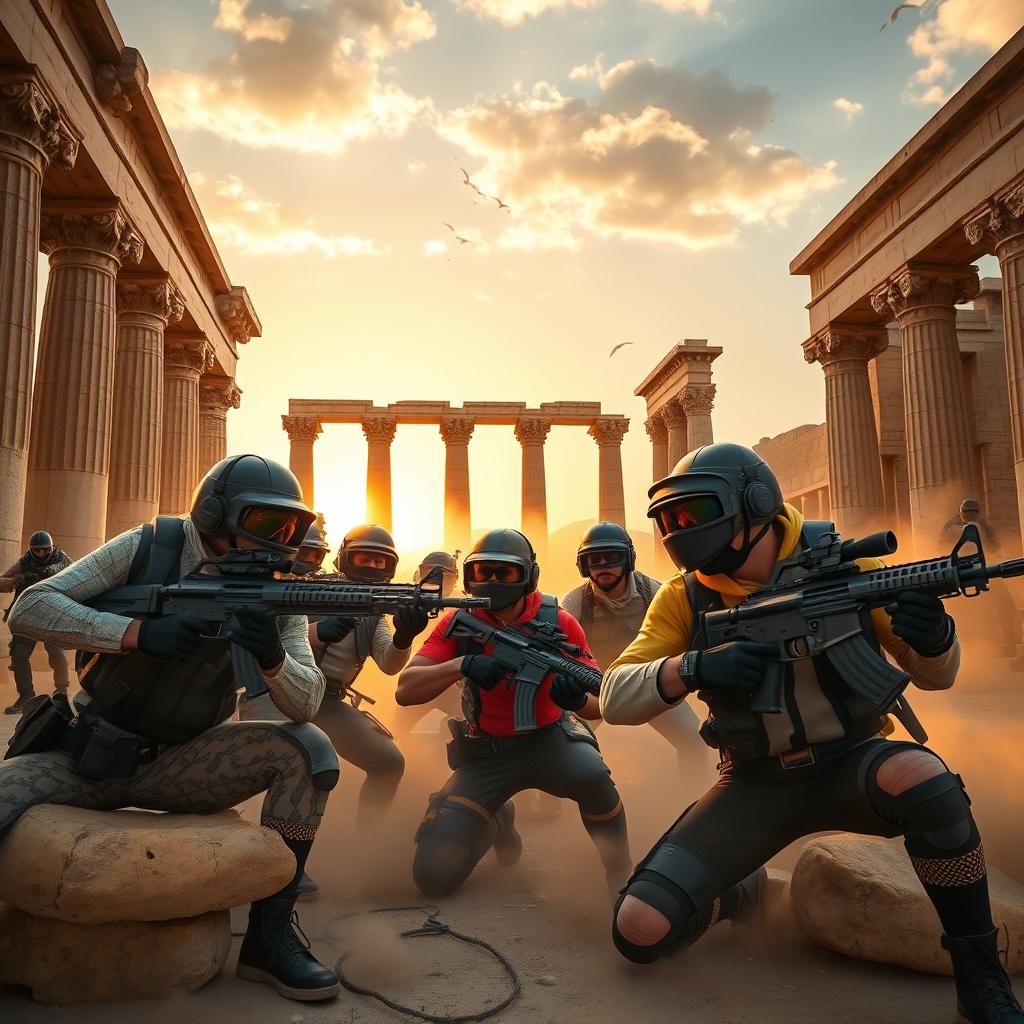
column 218, row 769
column 21, row 648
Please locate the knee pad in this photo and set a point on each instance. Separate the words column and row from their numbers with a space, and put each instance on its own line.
column 320, row 756
column 449, row 819
column 938, row 811
column 673, row 881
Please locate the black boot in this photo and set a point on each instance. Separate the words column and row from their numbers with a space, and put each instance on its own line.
column 20, row 706
column 984, row 994
column 508, row 844
column 744, row 902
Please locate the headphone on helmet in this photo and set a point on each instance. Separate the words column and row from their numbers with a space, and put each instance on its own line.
column 758, row 500
column 534, row 575
column 213, row 509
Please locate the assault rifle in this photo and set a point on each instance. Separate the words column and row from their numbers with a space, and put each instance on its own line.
column 529, row 656
column 247, row 578
column 814, row 604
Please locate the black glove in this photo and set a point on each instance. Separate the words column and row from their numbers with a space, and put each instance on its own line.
column 737, row 667
column 409, row 623
column 172, row 637
column 334, row 628
column 483, row 670
column 567, row 692
column 257, row 632
column 922, row 622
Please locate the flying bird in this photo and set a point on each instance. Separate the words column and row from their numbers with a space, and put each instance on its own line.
column 621, row 344
column 896, row 13
column 469, row 183
column 458, row 237
column 501, row 205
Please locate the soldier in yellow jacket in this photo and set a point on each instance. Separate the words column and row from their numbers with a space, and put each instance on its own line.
column 822, row 764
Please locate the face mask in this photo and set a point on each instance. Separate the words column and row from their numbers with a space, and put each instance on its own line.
column 730, row 559
column 502, row 595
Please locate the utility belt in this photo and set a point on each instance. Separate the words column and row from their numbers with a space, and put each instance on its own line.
column 804, row 757
column 343, row 691
column 470, row 746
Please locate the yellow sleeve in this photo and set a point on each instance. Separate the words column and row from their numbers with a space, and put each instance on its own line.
column 629, row 689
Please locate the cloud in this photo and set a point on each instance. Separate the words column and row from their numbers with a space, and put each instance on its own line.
column 661, row 153
column 595, row 69
column 699, row 7
column 515, row 12
column 302, row 78
column 434, row 247
column 850, row 108
column 956, row 28
column 238, row 218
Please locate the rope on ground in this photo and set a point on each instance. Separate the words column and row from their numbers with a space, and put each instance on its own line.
column 431, row 928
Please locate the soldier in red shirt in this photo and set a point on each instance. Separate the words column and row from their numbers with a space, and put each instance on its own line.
column 492, row 761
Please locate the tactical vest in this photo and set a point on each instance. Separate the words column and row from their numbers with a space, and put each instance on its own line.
column 30, row 565
column 731, row 726
column 366, row 629
column 610, row 633
column 163, row 701
column 547, row 612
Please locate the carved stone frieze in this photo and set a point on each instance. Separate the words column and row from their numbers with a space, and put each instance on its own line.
column 116, row 83
column 1001, row 219
column 236, row 311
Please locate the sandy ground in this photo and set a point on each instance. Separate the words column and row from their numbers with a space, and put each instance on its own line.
column 550, row 916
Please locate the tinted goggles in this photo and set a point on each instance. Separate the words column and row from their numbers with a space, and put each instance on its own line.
column 688, row 512
column 610, row 559
column 278, row 525
column 372, row 560
column 503, row 572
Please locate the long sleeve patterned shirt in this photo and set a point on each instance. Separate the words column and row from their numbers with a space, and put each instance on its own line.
column 53, row 610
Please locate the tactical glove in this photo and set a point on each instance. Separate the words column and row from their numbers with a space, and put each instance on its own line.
column 257, row 632
column 483, row 670
column 409, row 623
column 567, row 692
column 171, row 637
column 737, row 667
column 921, row 621
column 334, row 628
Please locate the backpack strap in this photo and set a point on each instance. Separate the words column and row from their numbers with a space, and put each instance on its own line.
column 158, row 556
column 644, row 588
column 547, row 611
column 588, row 605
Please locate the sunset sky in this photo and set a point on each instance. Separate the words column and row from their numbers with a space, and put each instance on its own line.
column 663, row 160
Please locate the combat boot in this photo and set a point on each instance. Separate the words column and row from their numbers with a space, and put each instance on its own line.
column 508, row 844
column 743, row 904
column 984, row 994
column 274, row 954
column 21, row 705
column 308, row 888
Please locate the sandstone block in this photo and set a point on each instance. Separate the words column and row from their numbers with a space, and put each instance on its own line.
column 64, row 963
column 860, row 897
column 94, row 867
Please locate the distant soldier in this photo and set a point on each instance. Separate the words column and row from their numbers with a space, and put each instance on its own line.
column 970, row 512
column 41, row 561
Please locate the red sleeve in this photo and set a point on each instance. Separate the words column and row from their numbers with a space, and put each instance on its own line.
column 574, row 631
column 436, row 648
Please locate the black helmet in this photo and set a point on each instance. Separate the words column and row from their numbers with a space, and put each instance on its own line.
column 311, row 552
column 438, row 560
column 368, row 540
column 508, row 546
column 252, row 497
column 969, row 506
column 712, row 494
column 40, row 539
column 605, row 537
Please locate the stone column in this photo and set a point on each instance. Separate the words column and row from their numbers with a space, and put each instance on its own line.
column 144, row 308
column 608, row 432
column 1001, row 226
column 32, row 133
column 186, row 359
column 923, row 299
column 379, row 432
column 658, row 433
column 697, row 403
column 854, row 464
column 531, row 433
column 216, row 396
column 302, row 432
column 72, row 408
column 456, row 432
column 674, row 417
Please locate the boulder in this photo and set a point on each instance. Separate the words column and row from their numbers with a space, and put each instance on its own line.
column 64, row 963
column 95, row 867
column 859, row 896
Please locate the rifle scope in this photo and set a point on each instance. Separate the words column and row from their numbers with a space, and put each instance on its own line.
column 875, row 545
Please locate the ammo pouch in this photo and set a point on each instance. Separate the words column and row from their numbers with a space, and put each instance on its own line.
column 101, row 751
column 42, row 727
column 456, row 747
column 576, row 729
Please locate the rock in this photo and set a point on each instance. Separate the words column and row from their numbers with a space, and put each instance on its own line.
column 859, row 896
column 64, row 963
column 94, row 867
column 547, row 980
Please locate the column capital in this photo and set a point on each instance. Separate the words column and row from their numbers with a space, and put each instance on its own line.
column 1001, row 219
column 157, row 297
column 380, row 429
column 192, row 354
column 218, row 394
column 845, row 341
column 239, row 316
column 609, row 430
column 301, row 428
column 673, row 414
column 656, row 429
column 532, row 430
column 698, row 401
column 29, row 112
column 918, row 285
column 456, row 429
column 102, row 226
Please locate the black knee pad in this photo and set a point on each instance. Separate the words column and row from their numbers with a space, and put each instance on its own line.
column 938, row 813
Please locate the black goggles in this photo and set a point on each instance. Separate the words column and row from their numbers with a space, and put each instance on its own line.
column 689, row 511
column 503, row 572
column 611, row 558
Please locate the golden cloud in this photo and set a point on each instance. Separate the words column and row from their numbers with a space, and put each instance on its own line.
column 238, row 218
column 662, row 154
column 300, row 78
column 849, row 108
column 515, row 12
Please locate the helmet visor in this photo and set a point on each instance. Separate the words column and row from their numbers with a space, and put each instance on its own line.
column 609, row 558
column 484, row 570
column 689, row 511
column 277, row 525
column 372, row 559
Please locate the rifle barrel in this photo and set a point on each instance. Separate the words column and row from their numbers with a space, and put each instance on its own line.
column 1005, row 570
